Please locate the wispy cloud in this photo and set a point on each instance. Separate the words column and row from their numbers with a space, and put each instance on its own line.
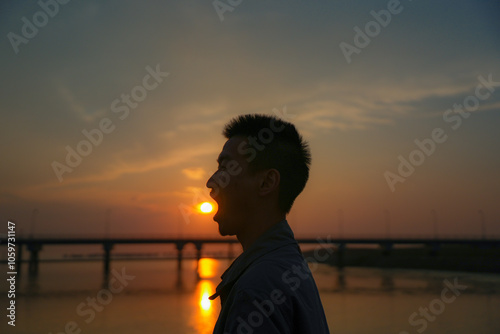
column 76, row 107
column 115, row 170
column 196, row 173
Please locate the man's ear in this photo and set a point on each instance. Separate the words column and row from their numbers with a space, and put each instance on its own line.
column 269, row 182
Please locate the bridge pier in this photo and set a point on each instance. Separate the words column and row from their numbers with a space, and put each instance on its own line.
column 341, row 282
column 108, row 246
column 434, row 249
column 34, row 248
column 340, row 256
column 386, row 248
column 18, row 262
column 179, row 246
column 198, row 246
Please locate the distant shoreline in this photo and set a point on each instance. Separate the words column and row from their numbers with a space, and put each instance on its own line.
column 448, row 258
column 136, row 257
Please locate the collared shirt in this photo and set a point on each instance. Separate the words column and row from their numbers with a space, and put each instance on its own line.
column 270, row 289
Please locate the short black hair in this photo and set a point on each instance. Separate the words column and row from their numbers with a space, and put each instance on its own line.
column 284, row 150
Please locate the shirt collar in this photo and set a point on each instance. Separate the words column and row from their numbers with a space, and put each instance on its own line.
column 277, row 236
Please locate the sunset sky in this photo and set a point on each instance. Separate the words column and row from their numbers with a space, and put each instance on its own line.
column 359, row 112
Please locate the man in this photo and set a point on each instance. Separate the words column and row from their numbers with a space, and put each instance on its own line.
column 263, row 167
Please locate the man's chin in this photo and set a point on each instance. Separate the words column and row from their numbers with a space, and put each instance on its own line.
column 218, row 217
column 223, row 231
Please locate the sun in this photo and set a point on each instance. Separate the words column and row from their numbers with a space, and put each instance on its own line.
column 206, row 207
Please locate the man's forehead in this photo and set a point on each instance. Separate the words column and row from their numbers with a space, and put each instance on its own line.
column 230, row 149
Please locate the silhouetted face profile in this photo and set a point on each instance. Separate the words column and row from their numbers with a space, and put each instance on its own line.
column 233, row 187
column 263, row 167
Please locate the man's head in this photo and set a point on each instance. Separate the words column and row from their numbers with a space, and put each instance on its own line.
column 263, row 167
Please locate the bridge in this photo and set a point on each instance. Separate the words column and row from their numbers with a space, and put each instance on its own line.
column 35, row 245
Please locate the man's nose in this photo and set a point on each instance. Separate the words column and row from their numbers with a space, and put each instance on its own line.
column 213, row 186
column 211, row 182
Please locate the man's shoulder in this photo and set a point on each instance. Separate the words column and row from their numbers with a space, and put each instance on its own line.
column 272, row 270
column 280, row 285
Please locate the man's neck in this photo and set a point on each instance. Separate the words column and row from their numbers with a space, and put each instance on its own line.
column 255, row 230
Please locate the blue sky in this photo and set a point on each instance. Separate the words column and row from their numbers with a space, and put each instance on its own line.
column 359, row 117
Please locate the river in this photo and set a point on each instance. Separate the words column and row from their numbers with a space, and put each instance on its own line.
column 150, row 296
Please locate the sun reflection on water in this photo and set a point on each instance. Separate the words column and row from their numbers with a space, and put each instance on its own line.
column 207, row 267
column 206, row 289
column 205, row 315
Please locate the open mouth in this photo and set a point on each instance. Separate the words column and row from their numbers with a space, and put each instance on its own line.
column 215, row 217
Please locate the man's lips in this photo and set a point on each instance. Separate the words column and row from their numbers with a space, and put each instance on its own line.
column 214, row 192
column 216, row 212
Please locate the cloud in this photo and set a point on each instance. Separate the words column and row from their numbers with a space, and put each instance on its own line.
column 362, row 105
column 194, row 173
column 115, row 170
column 332, row 115
column 77, row 107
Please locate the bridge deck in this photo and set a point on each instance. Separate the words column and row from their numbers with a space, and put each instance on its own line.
column 327, row 240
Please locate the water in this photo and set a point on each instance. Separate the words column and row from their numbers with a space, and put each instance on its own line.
column 159, row 300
